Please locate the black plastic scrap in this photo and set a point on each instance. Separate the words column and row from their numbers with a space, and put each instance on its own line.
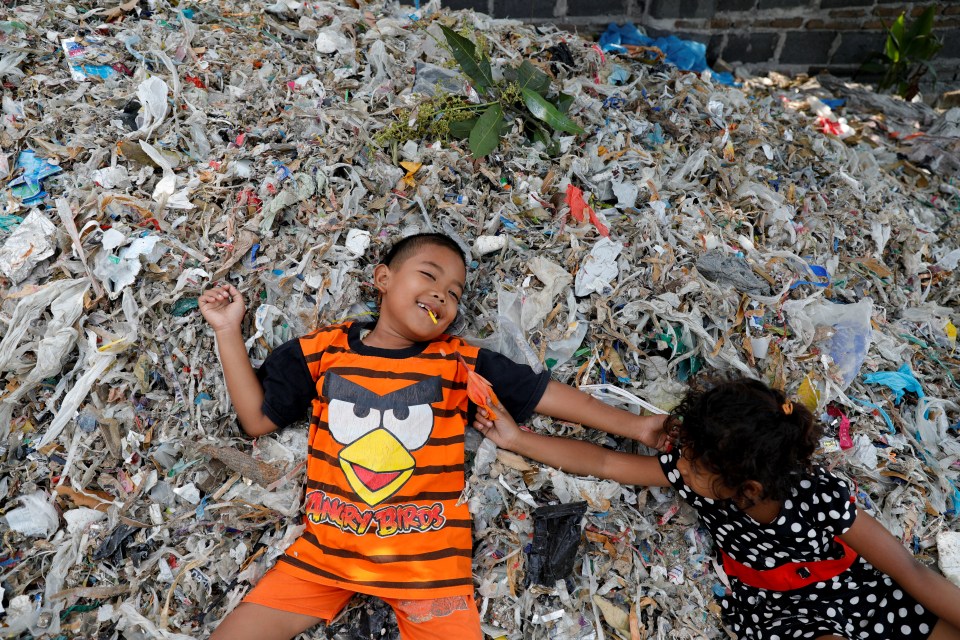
column 116, row 544
column 725, row 269
column 556, row 539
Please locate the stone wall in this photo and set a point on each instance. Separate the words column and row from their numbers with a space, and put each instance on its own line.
column 786, row 35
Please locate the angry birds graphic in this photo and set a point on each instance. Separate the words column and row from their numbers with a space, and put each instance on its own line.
column 379, row 432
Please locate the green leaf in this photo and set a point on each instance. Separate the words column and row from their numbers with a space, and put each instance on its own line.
column 923, row 25
column 892, row 50
column 564, row 102
column 550, row 145
column 922, row 48
column 465, row 53
column 460, row 129
column 897, row 31
column 529, row 77
column 485, row 135
column 543, row 110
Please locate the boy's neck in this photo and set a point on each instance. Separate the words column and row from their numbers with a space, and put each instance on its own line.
column 381, row 337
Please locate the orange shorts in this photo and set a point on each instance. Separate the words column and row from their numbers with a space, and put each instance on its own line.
column 431, row 619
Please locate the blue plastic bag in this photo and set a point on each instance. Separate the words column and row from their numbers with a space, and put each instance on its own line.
column 688, row 55
column 899, row 381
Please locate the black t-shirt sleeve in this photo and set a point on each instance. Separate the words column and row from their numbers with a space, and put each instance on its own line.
column 518, row 387
column 288, row 387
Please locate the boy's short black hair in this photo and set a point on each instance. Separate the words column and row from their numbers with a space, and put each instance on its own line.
column 406, row 247
column 737, row 428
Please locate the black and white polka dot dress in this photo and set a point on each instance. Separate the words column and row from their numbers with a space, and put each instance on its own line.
column 860, row 603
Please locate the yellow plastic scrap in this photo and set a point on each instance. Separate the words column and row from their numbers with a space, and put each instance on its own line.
column 411, row 168
column 808, row 394
column 728, row 153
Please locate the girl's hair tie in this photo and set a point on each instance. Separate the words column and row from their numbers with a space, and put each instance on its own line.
column 787, row 407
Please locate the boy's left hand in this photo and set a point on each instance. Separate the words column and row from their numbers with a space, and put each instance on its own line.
column 651, row 432
column 503, row 431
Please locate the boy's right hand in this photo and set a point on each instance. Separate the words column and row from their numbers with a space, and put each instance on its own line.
column 503, row 431
column 222, row 307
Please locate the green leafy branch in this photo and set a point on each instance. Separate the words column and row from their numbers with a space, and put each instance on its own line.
column 906, row 55
column 523, row 95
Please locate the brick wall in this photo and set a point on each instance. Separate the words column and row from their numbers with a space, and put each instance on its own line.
column 787, row 35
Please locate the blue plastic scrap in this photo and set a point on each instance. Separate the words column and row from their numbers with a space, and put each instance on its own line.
column 9, row 223
column 879, row 409
column 619, row 75
column 102, row 71
column 833, row 103
column 898, row 381
column 27, row 187
column 687, row 55
column 822, row 275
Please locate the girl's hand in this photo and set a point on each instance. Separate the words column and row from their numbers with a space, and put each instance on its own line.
column 222, row 307
column 651, row 431
column 503, row 431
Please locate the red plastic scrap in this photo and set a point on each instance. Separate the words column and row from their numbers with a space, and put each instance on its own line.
column 578, row 205
column 843, row 433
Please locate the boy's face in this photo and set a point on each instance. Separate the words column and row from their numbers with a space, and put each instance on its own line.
column 430, row 281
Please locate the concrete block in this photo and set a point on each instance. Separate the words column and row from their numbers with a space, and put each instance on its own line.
column 735, row 5
column 837, row 4
column 779, row 23
column 856, row 47
column 835, row 25
column 682, row 8
column 475, row 5
column 848, row 13
column 596, row 7
column 951, row 43
column 782, row 4
column 750, row 47
column 700, row 36
column 807, row 47
column 714, row 48
column 523, row 9
column 891, row 11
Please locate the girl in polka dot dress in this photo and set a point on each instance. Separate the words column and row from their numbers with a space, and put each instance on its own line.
column 803, row 560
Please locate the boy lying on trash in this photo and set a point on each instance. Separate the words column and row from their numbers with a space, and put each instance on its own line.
column 388, row 404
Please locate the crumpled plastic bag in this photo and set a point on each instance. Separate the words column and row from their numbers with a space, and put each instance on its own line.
column 33, row 242
column 556, row 539
column 37, row 517
column 688, row 55
column 899, row 381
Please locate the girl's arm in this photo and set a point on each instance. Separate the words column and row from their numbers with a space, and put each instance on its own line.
column 872, row 541
column 563, row 402
column 571, row 456
column 223, row 308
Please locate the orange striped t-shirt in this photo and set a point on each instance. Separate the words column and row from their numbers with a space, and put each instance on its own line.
column 385, row 466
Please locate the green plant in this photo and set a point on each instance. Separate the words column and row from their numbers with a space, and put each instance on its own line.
column 523, row 94
column 906, row 55
column 432, row 118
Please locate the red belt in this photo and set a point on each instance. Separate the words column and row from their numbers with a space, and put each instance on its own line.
column 792, row 575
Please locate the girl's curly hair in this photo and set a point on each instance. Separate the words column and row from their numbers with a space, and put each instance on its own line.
column 739, row 430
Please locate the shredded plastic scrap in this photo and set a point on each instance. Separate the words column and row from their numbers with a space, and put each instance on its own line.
column 799, row 230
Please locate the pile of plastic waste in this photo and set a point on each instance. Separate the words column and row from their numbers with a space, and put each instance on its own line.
column 803, row 231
